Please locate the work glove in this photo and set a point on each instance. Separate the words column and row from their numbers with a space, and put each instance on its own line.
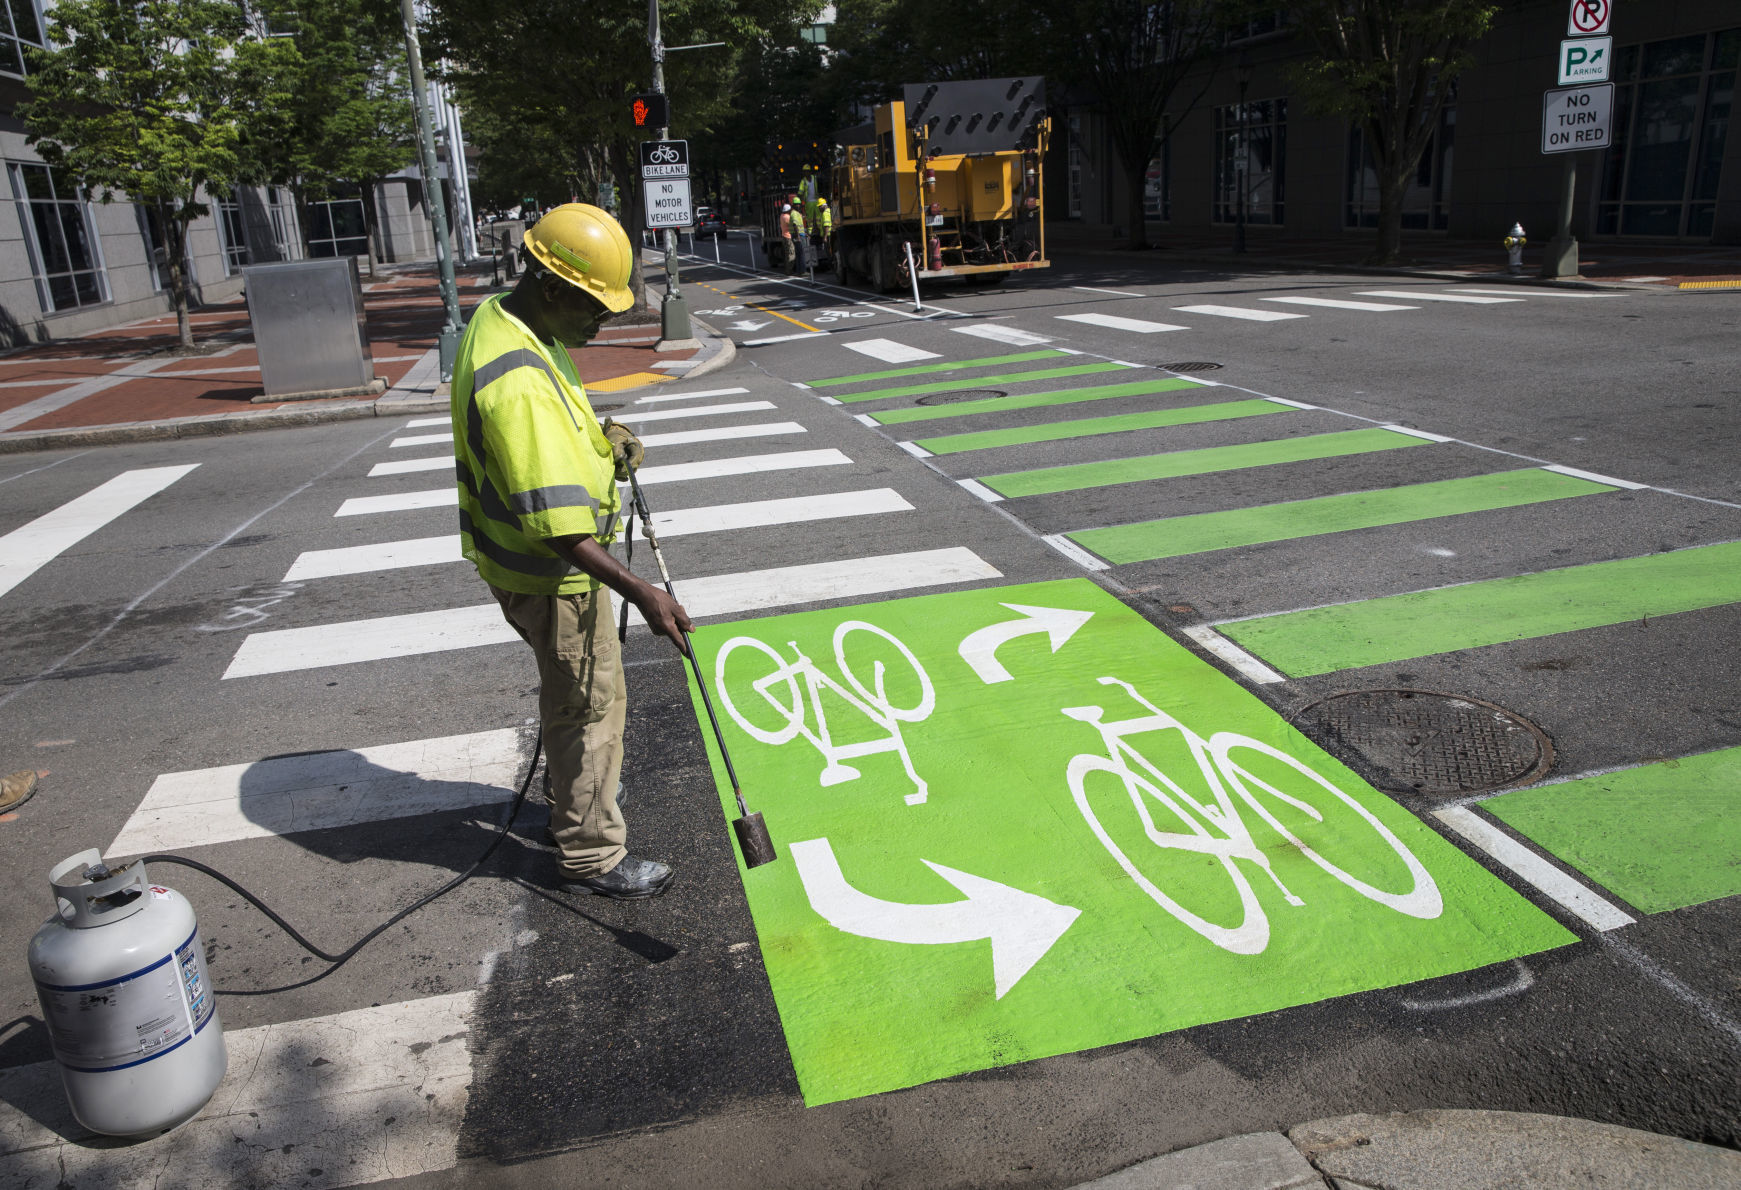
column 625, row 447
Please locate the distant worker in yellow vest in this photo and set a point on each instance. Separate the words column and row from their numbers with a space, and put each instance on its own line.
column 538, row 510
column 824, row 218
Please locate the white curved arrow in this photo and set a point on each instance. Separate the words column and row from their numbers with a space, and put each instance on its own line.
column 747, row 325
column 1020, row 926
column 979, row 650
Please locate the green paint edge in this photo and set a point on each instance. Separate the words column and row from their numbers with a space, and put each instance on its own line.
column 1045, row 481
column 1494, row 611
column 945, row 366
column 1088, row 427
column 1172, row 537
column 914, row 390
column 1663, row 835
column 1067, row 396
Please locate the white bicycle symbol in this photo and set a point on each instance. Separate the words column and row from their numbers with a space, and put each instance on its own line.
column 837, row 315
column 1213, row 827
column 663, row 155
column 777, row 686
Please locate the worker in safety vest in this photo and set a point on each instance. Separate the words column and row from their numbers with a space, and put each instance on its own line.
column 824, row 218
column 800, row 241
column 538, row 509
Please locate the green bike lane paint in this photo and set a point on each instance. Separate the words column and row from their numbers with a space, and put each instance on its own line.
column 1021, row 821
column 1090, row 427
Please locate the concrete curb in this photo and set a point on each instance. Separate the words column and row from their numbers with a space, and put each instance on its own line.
column 1439, row 1150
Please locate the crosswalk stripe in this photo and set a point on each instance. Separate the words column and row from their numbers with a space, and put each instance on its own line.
column 629, row 415
column 32, row 546
column 418, row 423
column 323, row 790
column 1493, row 611
column 366, row 559
column 792, row 460
column 1241, row 312
column 408, row 466
column 1014, row 336
column 1172, row 537
column 1596, row 912
column 322, row 1102
column 399, row 502
column 287, row 649
column 1338, row 303
column 956, row 365
column 1064, row 396
column 1046, row 481
column 1417, row 295
column 1088, row 427
column 1114, row 322
column 890, row 352
column 1537, row 291
column 768, row 429
column 916, row 390
column 421, row 439
column 711, row 392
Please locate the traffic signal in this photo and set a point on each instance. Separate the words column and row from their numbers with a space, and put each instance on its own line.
column 650, row 111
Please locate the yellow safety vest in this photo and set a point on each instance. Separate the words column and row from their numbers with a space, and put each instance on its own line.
column 532, row 461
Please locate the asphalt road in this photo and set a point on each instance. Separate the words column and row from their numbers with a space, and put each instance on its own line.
column 644, row 1040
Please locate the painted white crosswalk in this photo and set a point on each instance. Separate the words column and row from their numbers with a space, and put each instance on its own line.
column 417, row 423
column 411, row 466
column 421, row 440
column 1244, row 313
column 658, row 398
column 639, row 418
column 795, row 460
column 771, row 429
column 1339, row 304
column 889, row 351
column 28, row 548
column 998, row 333
column 399, row 502
column 1114, row 322
column 1421, row 295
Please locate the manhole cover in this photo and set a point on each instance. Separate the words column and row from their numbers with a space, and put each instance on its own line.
column 966, row 394
column 1193, row 365
column 1424, row 742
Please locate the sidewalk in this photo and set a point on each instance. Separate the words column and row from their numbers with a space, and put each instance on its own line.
column 130, row 383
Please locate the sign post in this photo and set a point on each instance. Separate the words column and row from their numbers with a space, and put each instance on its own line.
column 1577, row 118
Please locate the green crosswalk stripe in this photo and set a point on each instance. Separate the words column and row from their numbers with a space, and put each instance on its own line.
column 956, row 365
column 1171, row 537
column 1422, row 623
column 1663, row 836
column 1088, row 427
column 915, row 390
column 1075, row 478
column 1064, row 396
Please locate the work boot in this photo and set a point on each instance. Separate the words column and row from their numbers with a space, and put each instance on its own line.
column 631, row 880
column 550, row 835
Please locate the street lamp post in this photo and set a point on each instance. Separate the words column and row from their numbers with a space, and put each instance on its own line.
column 450, row 333
column 1240, row 161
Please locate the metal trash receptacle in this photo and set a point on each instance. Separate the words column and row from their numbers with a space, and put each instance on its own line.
column 311, row 330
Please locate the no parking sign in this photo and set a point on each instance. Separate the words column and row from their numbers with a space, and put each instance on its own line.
column 1589, row 18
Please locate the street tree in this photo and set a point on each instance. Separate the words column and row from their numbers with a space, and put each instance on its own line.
column 1390, row 66
column 154, row 101
column 879, row 45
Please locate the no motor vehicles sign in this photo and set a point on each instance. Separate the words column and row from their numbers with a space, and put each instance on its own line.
column 1576, row 118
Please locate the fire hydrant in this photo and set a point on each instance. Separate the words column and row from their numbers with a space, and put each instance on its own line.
column 1514, row 249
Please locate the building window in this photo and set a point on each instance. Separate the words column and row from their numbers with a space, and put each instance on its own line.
column 336, row 228
column 20, row 30
column 1158, row 186
column 1426, row 204
column 1672, row 101
column 62, row 243
column 1074, row 160
column 1251, row 143
column 232, row 234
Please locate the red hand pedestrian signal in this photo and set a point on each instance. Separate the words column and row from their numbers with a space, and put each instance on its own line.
column 640, row 113
column 650, row 110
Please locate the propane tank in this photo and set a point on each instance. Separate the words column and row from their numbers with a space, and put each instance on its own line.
column 121, row 975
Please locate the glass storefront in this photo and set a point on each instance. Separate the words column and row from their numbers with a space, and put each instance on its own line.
column 1251, row 142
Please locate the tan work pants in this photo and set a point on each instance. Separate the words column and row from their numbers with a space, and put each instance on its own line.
column 583, row 704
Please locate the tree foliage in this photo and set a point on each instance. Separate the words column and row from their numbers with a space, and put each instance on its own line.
column 1390, row 66
column 881, row 44
column 157, row 101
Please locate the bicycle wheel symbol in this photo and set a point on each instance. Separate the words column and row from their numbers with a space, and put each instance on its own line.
column 663, row 155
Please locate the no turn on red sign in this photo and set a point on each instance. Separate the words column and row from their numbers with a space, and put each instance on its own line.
column 1589, row 18
column 1577, row 118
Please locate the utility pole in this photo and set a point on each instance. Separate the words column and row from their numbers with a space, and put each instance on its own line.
column 673, row 312
column 449, row 341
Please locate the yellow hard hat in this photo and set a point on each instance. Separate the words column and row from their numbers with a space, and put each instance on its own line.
column 586, row 247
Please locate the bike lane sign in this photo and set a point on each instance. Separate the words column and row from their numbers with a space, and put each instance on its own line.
column 1021, row 821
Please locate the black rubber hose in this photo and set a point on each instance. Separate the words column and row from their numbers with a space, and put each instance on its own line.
column 344, row 956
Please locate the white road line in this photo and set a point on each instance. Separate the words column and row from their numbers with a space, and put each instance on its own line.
column 29, row 547
column 1243, row 312
column 758, row 514
column 422, row 439
column 980, row 490
column 1113, row 292
column 1074, row 552
column 1528, row 866
column 1418, row 295
column 399, row 502
column 1002, row 334
column 322, row 1102
column 793, row 460
column 768, row 429
column 710, row 392
column 1238, row 658
column 1538, row 291
column 782, row 338
column 379, row 639
column 1114, row 322
column 826, row 400
column 322, row 790
column 1290, row 404
column 914, row 449
column 865, row 419
column 1595, row 478
column 1414, row 433
column 1337, row 303
column 409, row 466
column 890, row 351
column 366, row 559
column 629, row 415
column 418, row 423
